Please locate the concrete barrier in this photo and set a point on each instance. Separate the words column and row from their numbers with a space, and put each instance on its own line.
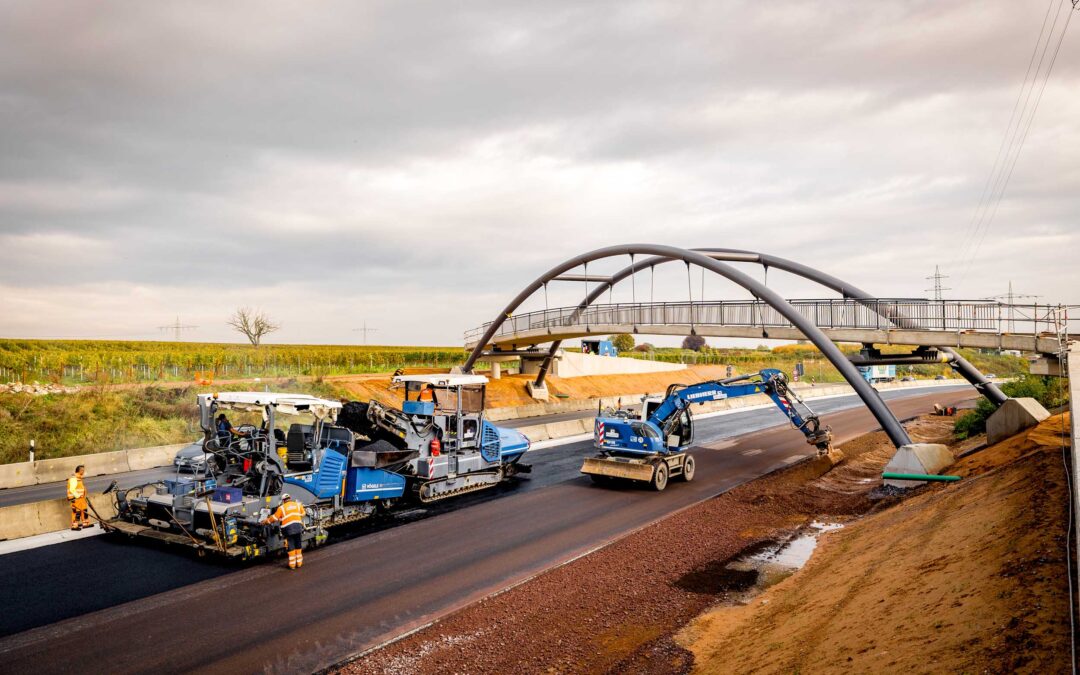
column 97, row 464
column 151, row 458
column 535, row 433
column 22, row 474
column 568, row 428
column 17, row 474
column 27, row 520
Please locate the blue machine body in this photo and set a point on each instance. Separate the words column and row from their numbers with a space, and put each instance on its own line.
column 633, row 437
column 356, row 484
column 364, row 484
column 508, row 444
column 426, row 408
column 636, row 437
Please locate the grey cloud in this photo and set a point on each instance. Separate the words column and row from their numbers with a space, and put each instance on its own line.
column 385, row 148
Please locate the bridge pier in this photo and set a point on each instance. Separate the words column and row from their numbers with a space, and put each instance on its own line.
column 1014, row 415
column 918, row 458
column 1047, row 365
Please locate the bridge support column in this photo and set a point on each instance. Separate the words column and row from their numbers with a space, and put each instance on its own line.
column 542, row 373
column 918, row 458
column 1047, row 365
column 1012, row 417
column 539, row 392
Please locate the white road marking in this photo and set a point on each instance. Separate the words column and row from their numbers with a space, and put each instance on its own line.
column 793, row 459
column 751, row 453
column 47, row 539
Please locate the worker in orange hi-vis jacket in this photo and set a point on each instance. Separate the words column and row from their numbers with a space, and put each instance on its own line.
column 76, row 493
column 291, row 516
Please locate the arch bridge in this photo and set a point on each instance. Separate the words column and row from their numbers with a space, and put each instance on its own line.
column 935, row 327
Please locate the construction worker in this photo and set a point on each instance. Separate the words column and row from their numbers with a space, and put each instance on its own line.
column 291, row 516
column 76, row 493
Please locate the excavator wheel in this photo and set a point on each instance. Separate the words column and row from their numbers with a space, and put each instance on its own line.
column 660, row 477
column 688, row 468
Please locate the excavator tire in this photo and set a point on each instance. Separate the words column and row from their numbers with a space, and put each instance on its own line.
column 688, row 468
column 660, row 477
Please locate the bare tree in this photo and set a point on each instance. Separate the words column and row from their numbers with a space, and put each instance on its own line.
column 252, row 324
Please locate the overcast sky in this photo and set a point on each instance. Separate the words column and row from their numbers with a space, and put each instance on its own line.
column 413, row 165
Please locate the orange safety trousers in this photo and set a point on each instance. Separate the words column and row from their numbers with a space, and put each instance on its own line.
column 296, row 559
column 78, row 512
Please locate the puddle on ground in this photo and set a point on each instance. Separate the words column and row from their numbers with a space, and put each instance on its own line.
column 756, row 567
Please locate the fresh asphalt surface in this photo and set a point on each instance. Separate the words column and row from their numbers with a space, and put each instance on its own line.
column 125, row 607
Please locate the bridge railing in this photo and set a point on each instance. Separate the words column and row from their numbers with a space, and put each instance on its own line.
column 880, row 314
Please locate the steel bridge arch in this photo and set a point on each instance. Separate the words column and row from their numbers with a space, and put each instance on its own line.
column 845, row 289
column 868, row 394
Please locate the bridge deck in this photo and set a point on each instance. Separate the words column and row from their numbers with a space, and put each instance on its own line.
column 975, row 324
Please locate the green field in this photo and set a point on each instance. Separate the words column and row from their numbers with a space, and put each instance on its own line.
column 97, row 361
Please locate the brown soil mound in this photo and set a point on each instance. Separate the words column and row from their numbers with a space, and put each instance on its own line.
column 509, row 390
column 969, row 577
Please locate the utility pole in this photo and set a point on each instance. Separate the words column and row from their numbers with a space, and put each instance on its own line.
column 365, row 330
column 1010, row 300
column 176, row 329
column 937, row 276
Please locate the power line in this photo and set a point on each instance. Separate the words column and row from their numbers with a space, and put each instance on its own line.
column 937, row 276
column 1010, row 300
column 1005, row 164
column 1027, row 128
column 177, row 329
column 997, row 158
column 365, row 330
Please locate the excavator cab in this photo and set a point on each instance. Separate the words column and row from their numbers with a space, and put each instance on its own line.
column 680, row 432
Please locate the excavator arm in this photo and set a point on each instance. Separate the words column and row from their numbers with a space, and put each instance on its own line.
column 769, row 381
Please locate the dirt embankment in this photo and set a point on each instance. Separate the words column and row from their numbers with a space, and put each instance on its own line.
column 509, row 390
column 968, row 576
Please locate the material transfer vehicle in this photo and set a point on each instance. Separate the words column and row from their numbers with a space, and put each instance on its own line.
column 651, row 447
column 343, row 462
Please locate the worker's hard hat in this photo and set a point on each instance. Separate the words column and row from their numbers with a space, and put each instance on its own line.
column 284, row 496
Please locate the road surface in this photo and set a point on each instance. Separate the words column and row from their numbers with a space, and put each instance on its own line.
column 134, row 608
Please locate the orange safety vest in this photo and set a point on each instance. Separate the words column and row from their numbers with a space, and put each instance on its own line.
column 290, row 512
column 76, row 489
